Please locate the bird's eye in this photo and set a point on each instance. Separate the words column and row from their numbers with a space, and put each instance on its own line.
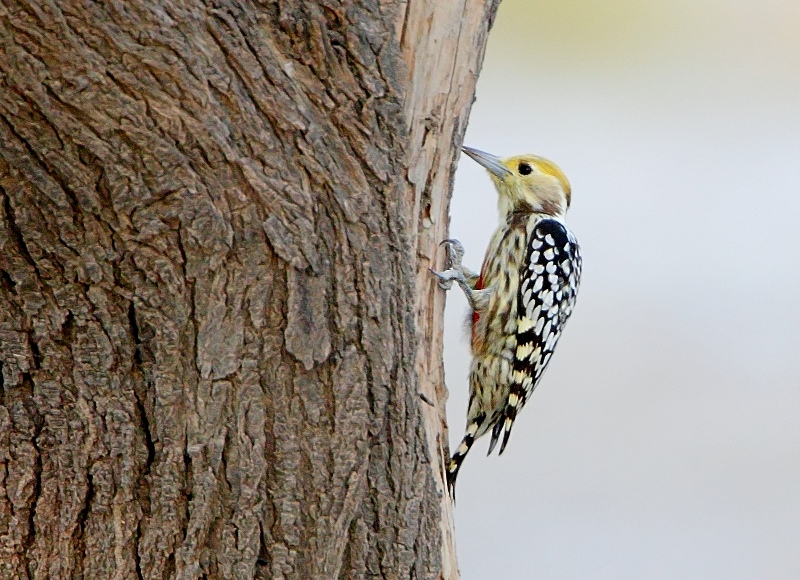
column 525, row 169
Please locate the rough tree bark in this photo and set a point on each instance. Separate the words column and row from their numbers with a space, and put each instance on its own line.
column 220, row 349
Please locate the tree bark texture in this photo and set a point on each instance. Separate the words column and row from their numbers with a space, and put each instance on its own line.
column 220, row 349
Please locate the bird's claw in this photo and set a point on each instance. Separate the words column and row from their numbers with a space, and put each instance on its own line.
column 453, row 270
column 446, row 277
column 454, row 253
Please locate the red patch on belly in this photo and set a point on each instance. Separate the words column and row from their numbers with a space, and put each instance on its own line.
column 475, row 314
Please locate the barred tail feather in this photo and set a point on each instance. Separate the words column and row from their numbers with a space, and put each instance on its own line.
column 498, row 426
column 515, row 401
column 458, row 457
column 508, row 422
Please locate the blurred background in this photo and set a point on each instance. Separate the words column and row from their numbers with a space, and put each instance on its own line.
column 663, row 441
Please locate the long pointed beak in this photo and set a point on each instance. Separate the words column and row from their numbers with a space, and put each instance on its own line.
column 489, row 161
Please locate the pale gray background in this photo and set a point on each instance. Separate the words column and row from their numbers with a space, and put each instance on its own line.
column 663, row 441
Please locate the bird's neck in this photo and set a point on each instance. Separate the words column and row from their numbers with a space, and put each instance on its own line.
column 525, row 208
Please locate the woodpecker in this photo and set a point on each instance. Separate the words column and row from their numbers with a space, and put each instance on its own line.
column 521, row 299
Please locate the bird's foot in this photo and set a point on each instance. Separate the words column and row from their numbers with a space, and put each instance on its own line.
column 453, row 270
column 446, row 278
column 454, row 253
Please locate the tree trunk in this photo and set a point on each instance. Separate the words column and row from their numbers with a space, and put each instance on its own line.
column 220, row 346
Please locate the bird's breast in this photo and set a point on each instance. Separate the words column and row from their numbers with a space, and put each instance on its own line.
column 500, row 272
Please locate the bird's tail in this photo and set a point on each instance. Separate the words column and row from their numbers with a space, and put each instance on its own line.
column 458, row 457
column 515, row 401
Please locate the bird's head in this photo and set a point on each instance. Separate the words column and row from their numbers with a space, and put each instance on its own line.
column 526, row 183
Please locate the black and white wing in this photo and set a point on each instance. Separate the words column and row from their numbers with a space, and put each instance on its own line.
column 548, row 285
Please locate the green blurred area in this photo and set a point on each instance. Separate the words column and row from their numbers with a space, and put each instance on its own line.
column 596, row 37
